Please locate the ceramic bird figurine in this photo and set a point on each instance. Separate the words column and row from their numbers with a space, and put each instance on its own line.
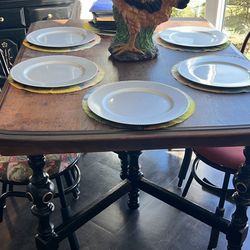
column 136, row 21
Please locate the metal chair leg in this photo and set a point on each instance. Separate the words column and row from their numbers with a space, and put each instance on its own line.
column 244, row 45
column 4, row 187
column 184, row 166
column 70, row 179
column 214, row 236
column 11, row 187
column 76, row 191
column 8, row 194
column 3, row 64
column 66, row 213
column 2, row 205
column 2, row 202
column 190, row 178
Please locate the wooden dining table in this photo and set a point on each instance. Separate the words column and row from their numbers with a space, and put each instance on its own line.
column 36, row 124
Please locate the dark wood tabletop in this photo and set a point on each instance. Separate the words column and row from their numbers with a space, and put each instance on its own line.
column 33, row 123
column 36, row 124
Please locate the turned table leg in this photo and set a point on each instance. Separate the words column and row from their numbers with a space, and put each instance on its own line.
column 40, row 192
column 134, row 174
column 123, row 156
column 238, row 227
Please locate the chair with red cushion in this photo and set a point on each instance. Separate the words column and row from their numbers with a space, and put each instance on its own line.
column 225, row 159
column 15, row 170
column 188, row 151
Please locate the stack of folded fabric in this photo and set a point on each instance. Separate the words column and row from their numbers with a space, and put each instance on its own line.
column 103, row 18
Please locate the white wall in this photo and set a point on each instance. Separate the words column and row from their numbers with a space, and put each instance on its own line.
column 215, row 10
column 86, row 4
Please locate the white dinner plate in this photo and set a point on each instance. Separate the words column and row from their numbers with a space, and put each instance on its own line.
column 192, row 36
column 217, row 71
column 60, row 37
column 138, row 102
column 54, row 71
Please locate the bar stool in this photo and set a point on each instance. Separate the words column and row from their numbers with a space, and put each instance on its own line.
column 225, row 159
column 15, row 170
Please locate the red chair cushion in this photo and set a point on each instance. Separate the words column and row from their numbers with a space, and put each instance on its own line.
column 228, row 157
column 17, row 169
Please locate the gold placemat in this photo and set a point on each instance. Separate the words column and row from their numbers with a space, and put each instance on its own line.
column 89, row 45
column 167, row 45
column 194, row 85
column 190, row 111
column 63, row 90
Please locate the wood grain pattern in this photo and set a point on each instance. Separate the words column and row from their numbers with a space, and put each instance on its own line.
column 39, row 123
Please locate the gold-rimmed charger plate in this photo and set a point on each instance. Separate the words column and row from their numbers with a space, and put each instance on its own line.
column 54, row 71
column 60, row 37
column 138, row 102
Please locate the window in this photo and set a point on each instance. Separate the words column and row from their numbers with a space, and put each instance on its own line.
column 195, row 8
column 237, row 22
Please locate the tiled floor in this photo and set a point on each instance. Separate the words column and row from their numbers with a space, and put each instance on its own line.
column 154, row 226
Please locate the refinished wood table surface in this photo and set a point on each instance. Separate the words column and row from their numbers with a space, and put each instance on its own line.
column 33, row 123
column 36, row 124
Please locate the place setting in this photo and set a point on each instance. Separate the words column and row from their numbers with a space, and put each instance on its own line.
column 213, row 73
column 138, row 105
column 55, row 74
column 192, row 38
column 61, row 39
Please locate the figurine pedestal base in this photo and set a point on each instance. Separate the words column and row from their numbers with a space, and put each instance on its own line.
column 132, row 56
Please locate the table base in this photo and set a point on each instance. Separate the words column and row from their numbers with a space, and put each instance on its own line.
column 235, row 230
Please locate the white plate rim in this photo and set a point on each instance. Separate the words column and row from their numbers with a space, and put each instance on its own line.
column 32, row 37
column 95, row 105
column 17, row 72
column 183, row 69
column 165, row 36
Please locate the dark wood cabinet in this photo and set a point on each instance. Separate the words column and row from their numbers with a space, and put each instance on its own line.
column 16, row 16
column 10, row 18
